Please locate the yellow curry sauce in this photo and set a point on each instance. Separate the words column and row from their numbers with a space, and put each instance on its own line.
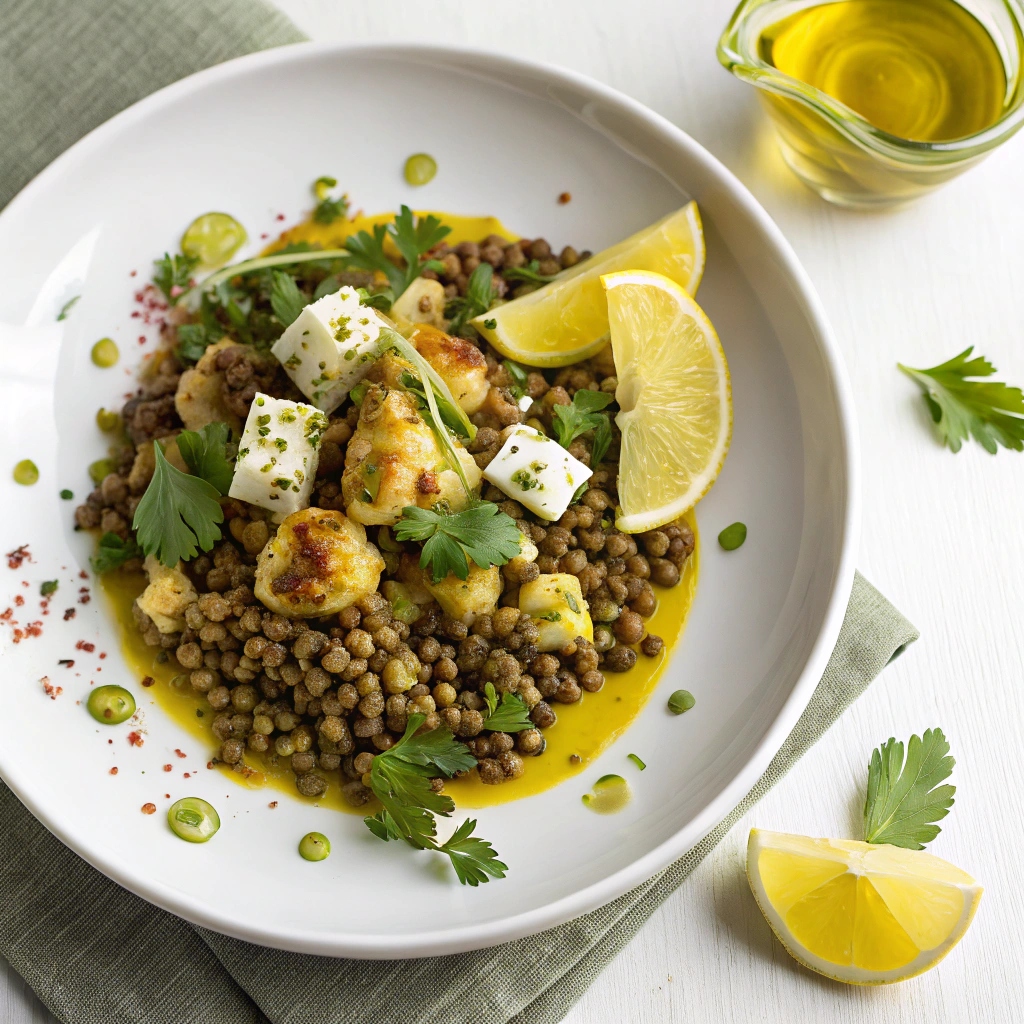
column 583, row 730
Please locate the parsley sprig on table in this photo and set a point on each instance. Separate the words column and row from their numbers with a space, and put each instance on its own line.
column 989, row 411
column 178, row 514
column 480, row 294
column 481, row 533
column 905, row 798
column 582, row 415
column 400, row 780
column 511, row 715
column 413, row 236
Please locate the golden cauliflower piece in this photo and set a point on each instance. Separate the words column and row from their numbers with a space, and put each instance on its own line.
column 200, row 398
column 555, row 601
column 422, row 302
column 466, row 599
column 393, row 461
column 169, row 593
column 318, row 563
column 459, row 363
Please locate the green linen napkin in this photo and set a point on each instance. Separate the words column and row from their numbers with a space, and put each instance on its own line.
column 96, row 954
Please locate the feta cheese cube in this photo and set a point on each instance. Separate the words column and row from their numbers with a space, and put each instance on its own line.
column 330, row 347
column 278, row 455
column 555, row 603
column 537, row 472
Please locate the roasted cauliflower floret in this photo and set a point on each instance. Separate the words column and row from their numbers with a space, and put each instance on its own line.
column 200, row 396
column 459, row 363
column 169, row 593
column 422, row 302
column 319, row 563
column 393, row 460
column 466, row 599
column 555, row 602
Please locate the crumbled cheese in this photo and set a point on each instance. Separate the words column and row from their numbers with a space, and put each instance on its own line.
column 330, row 347
column 278, row 455
column 537, row 472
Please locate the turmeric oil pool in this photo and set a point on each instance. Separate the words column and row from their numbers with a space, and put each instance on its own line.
column 922, row 70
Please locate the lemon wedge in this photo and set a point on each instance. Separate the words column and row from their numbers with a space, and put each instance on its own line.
column 856, row 912
column 674, row 395
column 567, row 320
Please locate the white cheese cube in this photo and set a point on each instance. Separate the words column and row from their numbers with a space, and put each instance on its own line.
column 278, row 455
column 537, row 472
column 330, row 347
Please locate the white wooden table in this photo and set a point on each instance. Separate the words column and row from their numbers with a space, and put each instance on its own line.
column 942, row 534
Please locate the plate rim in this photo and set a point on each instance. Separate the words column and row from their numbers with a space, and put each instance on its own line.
column 465, row 938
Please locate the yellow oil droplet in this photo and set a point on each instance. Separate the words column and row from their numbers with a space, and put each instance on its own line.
column 610, row 794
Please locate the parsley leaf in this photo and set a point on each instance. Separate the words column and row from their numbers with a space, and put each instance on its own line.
column 989, row 411
column 581, row 415
column 400, row 780
column 413, row 237
column 65, row 310
column 530, row 274
column 195, row 339
column 205, row 454
column 512, row 715
column 328, row 210
column 178, row 514
column 480, row 293
column 481, row 533
column 451, row 417
column 286, row 300
column 904, row 800
column 174, row 272
column 113, row 552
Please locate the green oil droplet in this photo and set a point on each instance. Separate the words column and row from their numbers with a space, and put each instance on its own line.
column 420, row 168
column 105, row 353
column 26, row 473
column 732, row 537
column 610, row 794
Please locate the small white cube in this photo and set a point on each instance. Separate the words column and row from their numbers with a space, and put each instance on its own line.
column 278, row 455
column 537, row 472
column 330, row 347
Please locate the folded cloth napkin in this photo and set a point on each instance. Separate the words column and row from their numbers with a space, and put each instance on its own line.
column 96, row 954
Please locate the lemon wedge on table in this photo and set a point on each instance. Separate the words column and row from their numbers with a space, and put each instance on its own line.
column 567, row 319
column 674, row 395
column 857, row 912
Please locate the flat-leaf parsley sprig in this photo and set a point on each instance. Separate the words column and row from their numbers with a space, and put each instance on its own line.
column 481, row 533
column 511, row 715
column 583, row 414
column 206, row 453
column 987, row 410
column 178, row 514
column 400, row 780
column 905, row 799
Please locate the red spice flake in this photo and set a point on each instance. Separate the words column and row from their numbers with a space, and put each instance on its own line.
column 103, row 654
column 113, row 771
column 168, row 767
column 148, row 681
column 186, row 775
column 17, row 556
column 82, row 574
column 84, row 599
column 167, row 796
column 109, row 741
column 149, row 808
column 69, row 613
column 135, row 738
column 84, row 645
column 142, row 339
column 19, row 600
column 280, row 216
column 180, row 753
column 6, row 614
column 272, row 804
column 564, row 197
column 209, row 764
column 19, row 635
column 51, row 691
column 132, row 273
column 67, row 662
column 25, row 583
column 265, row 235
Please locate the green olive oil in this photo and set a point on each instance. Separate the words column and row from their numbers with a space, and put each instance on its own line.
column 922, row 70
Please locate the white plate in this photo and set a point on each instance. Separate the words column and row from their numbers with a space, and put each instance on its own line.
column 248, row 137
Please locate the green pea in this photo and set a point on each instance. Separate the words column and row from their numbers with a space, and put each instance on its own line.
column 420, row 168
column 732, row 537
column 111, row 704
column 680, row 701
column 100, row 469
column 26, row 473
column 105, row 353
column 67, row 495
column 314, row 846
column 107, row 420
column 193, row 819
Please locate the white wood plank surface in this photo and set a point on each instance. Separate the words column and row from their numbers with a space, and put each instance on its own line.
column 941, row 537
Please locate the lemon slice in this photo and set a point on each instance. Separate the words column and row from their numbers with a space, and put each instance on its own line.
column 567, row 320
column 213, row 239
column 857, row 912
column 674, row 395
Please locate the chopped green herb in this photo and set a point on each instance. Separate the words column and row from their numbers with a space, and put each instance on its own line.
column 511, row 715
column 328, row 209
column 636, row 760
column 490, row 324
column 733, row 536
column 112, row 552
column 286, row 300
column 195, row 339
column 480, row 293
column 173, row 274
column 904, row 800
column 481, row 533
column 583, row 414
column 65, row 310
column 67, row 495
column 49, row 587
column 989, row 411
column 178, row 515
column 530, row 274
column 680, row 701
